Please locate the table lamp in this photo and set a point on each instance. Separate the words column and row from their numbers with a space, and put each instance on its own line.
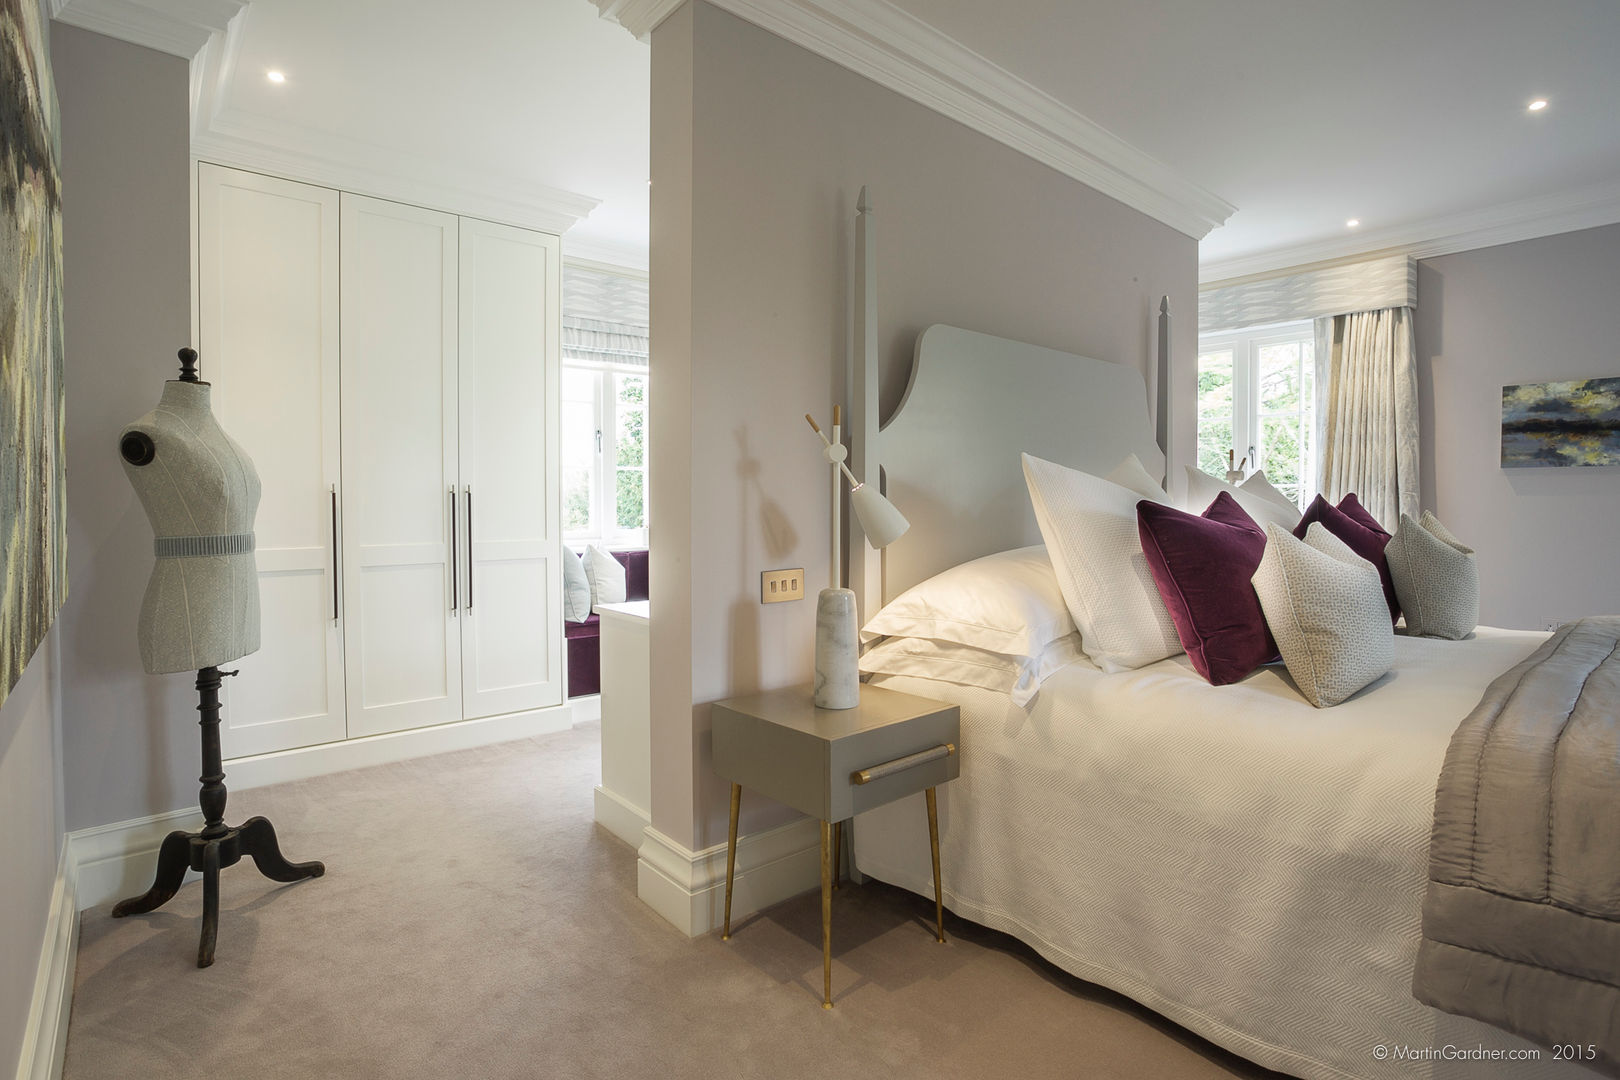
column 838, row 678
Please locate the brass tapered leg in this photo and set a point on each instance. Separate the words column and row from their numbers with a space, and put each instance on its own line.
column 838, row 852
column 826, row 915
column 933, row 848
column 731, row 856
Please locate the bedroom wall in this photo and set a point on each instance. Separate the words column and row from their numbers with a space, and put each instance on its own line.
column 759, row 151
column 129, row 739
column 1534, row 311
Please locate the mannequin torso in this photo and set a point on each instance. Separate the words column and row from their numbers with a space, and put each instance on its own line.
column 200, row 492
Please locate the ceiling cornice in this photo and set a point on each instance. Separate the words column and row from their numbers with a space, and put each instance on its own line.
column 876, row 39
column 177, row 27
column 1507, row 223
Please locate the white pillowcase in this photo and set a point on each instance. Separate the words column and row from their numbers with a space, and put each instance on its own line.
column 576, row 588
column 1131, row 473
column 1020, row 677
column 606, row 575
column 1258, row 498
column 1008, row 603
column 1325, row 606
column 1089, row 525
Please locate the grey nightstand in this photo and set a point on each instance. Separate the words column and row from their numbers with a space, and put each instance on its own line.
column 833, row 764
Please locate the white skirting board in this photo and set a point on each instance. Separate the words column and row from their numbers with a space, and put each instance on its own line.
column 117, row 860
column 587, row 707
column 620, row 816
column 688, row 887
column 45, row 1037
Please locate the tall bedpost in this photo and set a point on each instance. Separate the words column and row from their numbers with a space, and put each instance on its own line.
column 865, row 563
column 1161, row 387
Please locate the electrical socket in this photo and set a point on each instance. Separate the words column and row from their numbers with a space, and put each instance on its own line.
column 779, row 586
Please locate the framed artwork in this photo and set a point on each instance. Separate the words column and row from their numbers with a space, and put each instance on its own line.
column 1561, row 423
column 33, row 503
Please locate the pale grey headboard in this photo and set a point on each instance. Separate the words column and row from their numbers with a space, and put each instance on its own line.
column 949, row 455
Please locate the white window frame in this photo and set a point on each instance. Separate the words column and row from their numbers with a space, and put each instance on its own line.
column 1246, row 418
column 605, row 532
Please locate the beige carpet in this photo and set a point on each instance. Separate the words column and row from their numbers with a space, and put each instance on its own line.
column 475, row 922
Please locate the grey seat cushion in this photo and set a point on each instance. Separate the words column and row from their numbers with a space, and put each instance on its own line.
column 1436, row 578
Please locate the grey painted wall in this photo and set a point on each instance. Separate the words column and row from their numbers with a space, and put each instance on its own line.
column 129, row 739
column 30, row 837
column 1535, row 311
column 759, row 150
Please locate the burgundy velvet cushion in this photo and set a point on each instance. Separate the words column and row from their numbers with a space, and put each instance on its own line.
column 1366, row 540
column 1351, row 507
column 1202, row 566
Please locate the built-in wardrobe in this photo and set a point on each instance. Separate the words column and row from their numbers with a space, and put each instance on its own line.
column 393, row 372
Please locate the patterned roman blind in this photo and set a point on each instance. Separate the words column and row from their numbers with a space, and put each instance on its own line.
column 605, row 318
column 1336, row 290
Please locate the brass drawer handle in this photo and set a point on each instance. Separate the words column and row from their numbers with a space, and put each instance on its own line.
column 900, row 764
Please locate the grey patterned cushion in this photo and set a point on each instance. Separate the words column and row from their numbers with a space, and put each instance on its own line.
column 1325, row 606
column 1436, row 579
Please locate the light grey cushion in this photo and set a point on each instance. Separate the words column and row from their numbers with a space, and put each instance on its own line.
column 1436, row 579
column 576, row 588
column 606, row 575
column 1325, row 607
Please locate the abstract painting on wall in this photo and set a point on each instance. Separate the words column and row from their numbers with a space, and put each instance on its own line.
column 1561, row 423
column 33, row 510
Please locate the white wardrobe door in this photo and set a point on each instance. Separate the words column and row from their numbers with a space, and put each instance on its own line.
column 399, row 466
column 511, row 625
column 268, row 293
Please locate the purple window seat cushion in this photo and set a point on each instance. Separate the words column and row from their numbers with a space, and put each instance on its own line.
column 583, row 639
column 1361, row 533
column 1202, row 566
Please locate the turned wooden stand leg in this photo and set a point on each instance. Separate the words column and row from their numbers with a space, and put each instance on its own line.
column 731, row 856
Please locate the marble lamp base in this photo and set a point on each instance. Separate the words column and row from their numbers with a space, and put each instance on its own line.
column 838, row 676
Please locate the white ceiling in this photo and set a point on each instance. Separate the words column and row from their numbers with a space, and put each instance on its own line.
column 1302, row 113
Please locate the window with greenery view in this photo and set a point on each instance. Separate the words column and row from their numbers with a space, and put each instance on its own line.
column 1256, row 405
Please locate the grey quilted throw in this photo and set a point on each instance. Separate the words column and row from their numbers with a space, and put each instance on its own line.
column 1521, row 923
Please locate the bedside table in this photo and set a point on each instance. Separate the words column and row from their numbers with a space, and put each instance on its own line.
column 832, row 764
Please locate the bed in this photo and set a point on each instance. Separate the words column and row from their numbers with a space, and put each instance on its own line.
column 1243, row 863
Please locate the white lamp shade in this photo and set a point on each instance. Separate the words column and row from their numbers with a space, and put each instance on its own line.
column 881, row 522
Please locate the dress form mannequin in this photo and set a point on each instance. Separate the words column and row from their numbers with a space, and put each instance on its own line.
column 200, row 491
column 201, row 610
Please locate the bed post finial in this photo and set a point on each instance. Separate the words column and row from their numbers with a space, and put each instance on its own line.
column 863, row 205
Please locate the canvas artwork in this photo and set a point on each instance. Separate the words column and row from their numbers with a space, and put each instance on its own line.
column 1561, row 423
column 33, row 509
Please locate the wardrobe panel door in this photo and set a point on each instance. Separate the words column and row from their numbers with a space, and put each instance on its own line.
column 400, row 586
column 511, row 626
column 267, row 266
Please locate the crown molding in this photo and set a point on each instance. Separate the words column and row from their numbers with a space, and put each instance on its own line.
column 901, row 52
column 595, row 253
column 229, row 136
column 177, row 27
column 1507, row 223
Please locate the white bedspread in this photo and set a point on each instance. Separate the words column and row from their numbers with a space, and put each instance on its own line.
column 1245, row 864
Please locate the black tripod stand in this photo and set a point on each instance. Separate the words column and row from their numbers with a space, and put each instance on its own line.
column 217, row 845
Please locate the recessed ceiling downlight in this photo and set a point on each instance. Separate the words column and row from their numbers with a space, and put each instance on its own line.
column 1352, row 223
column 276, row 76
column 1538, row 104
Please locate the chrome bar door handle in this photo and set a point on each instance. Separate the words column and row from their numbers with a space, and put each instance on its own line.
column 337, row 557
column 469, row 547
column 455, row 560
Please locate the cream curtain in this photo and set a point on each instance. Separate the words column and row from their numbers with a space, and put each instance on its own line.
column 1368, row 411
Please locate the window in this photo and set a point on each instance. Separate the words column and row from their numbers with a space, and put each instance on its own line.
column 1257, row 401
column 604, row 408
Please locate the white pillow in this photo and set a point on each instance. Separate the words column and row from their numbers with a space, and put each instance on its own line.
column 1008, row 603
column 1325, row 606
column 1091, row 536
column 1020, row 677
column 606, row 575
column 576, row 588
column 1131, row 473
column 1436, row 579
column 1260, row 501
